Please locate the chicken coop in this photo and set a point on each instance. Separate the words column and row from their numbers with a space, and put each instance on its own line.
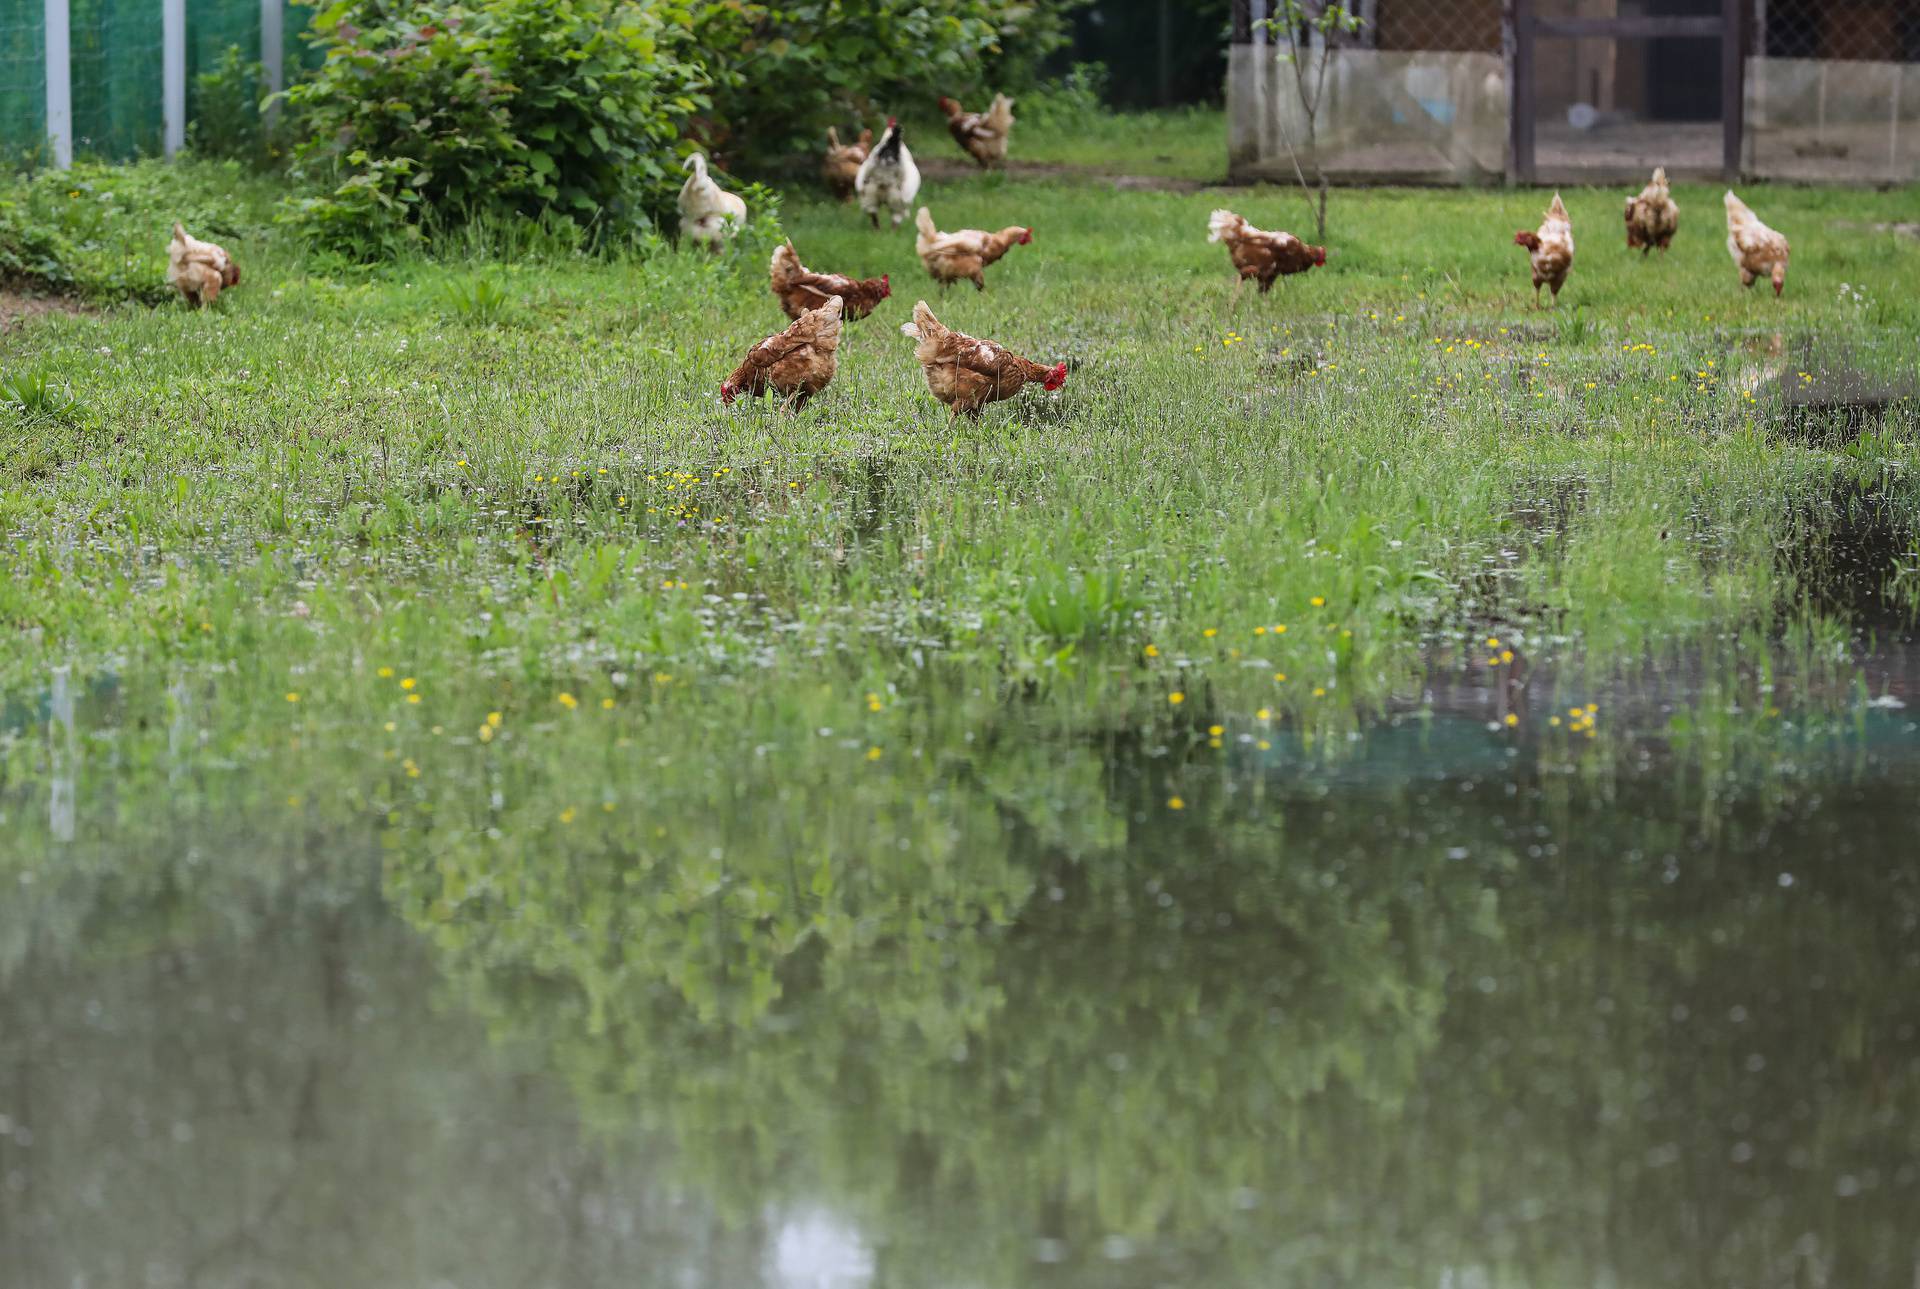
column 1569, row 91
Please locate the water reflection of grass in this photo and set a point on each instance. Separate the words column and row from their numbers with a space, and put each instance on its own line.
column 985, row 994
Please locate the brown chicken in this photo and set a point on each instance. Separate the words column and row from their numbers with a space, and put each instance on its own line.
column 967, row 374
column 795, row 364
column 801, row 289
column 1652, row 217
column 1757, row 250
column 964, row 255
column 198, row 270
column 1260, row 256
column 1550, row 249
column 983, row 134
column 842, row 161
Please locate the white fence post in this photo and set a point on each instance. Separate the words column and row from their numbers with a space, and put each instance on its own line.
column 173, row 74
column 59, row 82
column 272, row 47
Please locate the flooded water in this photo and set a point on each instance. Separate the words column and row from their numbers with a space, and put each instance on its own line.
column 1628, row 997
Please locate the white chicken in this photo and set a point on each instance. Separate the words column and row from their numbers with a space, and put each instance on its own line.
column 709, row 214
column 888, row 178
column 199, row 270
column 1757, row 251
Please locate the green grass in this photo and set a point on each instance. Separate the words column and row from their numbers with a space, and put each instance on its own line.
column 1185, row 144
column 513, row 480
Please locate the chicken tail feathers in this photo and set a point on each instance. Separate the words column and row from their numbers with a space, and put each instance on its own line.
column 784, row 267
column 924, row 324
column 924, row 222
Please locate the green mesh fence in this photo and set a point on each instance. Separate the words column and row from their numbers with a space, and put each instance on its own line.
column 116, row 68
column 23, row 78
column 116, row 78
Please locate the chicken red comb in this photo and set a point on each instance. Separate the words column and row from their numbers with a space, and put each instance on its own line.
column 1056, row 377
column 726, row 393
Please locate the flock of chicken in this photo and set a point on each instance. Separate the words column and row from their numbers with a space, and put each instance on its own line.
column 966, row 373
column 962, row 372
column 1652, row 220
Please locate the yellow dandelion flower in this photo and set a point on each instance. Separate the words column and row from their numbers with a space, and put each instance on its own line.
column 1512, row 720
column 486, row 733
column 1319, row 693
column 1506, row 655
column 1318, row 601
column 1216, row 730
column 1280, row 675
column 1263, row 714
column 873, row 754
column 292, row 697
column 1176, row 698
column 566, row 816
column 1210, row 632
column 568, row 701
column 493, row 720
column 385, row 673
column 1259, row 631
column 1152, row 651
column 1280, row 630
column 606, row 704
column 1263, row 745
column 390, row 727
column 1176, row 803
column 1553, row 720
column 1493, row 642
column 413, row 698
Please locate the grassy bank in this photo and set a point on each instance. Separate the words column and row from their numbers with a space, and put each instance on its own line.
column 1242, row 521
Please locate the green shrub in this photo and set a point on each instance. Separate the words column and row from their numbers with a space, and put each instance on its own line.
column 1075, row 100
column 229, row 112
column 782, row 73
column 458, row 111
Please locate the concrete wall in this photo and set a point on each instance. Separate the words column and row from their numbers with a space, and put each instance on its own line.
column 1431, row 116
column 1435, row 117
column 1825, row 119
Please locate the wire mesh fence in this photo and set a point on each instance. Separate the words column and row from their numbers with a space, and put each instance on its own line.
column 116, row 67
column 1833, row 89
column 1572, row 90
column 116, row 77
column 23, row 75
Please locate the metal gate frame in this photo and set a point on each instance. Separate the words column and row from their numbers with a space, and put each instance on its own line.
column 1522, row 27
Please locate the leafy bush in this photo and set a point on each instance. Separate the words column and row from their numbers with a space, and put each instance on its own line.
column 1076, row 99
column 455, row 111
column 229, row 112
column 101, row 231
column 782, row 73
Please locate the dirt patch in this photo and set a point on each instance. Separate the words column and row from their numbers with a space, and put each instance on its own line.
column 16, row 307
column 947, row 168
